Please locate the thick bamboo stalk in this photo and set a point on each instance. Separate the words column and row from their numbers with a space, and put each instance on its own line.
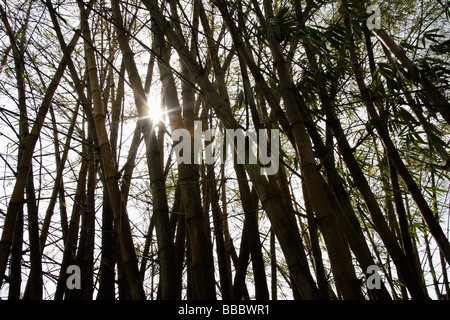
column 318, row 264
column 218, row 222
column 250, row 206
column 402, row 220
column 202, row 260
column 348, row 221
column 15, row 275
column 87, row 267
column 160, row 209
column 241, row 266
column 109, row 170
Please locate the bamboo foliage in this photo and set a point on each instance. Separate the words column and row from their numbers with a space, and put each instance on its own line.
column 92, row 179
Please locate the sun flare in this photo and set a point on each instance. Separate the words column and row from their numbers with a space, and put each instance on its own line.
column 155, row 111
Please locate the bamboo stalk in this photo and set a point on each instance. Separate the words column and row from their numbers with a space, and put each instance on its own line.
column 394, row 156
column 160, row 209
column 23, row 170
column 109, row 170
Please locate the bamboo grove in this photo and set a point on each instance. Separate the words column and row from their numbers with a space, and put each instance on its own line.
column 89, row 178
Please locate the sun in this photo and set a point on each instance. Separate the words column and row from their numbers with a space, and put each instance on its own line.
column 155, row 111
